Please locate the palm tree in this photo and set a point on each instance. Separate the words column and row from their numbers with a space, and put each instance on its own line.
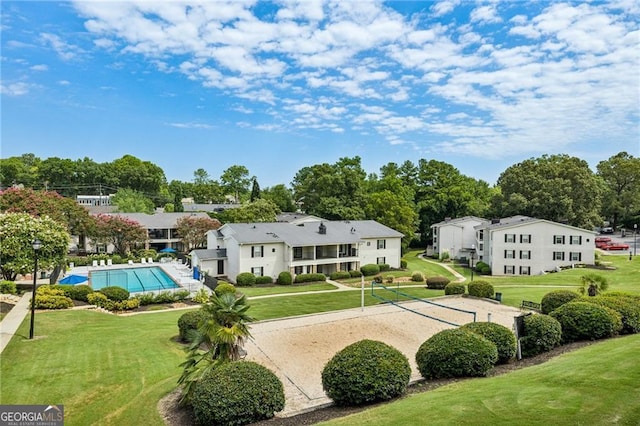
column 220, row 338
column 594, row 284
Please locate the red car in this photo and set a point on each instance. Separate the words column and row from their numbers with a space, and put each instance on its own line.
column 603, row 239
column 616, row 246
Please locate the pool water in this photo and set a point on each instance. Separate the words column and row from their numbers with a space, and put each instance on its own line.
column 135, row 280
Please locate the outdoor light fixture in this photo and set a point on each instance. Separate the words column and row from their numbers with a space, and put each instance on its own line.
column 36, row 248
column 473, row 254
column 635, row 238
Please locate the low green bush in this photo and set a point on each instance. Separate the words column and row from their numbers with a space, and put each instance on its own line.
column 77, row 292
column 483, row 268
column 370, row 269
column 164, row 297
column 340, row 275
column 145, row 299
column 417, row 277
column 245, row 279
column 454, row 288
column 587, row 321
column 403, row 264
column 627, row 306
column 237, row 393
column 541, row 334
column 264, row 279
column 501, row 336
column 377, row 279
column 49, row 301
column 456, row 353
column 480, row 288
column 8, row 287
column 310, row 278
column 555, row 299
column 50, row 290
column 115, row 293
column 201, row 296
column 188, row 323
column 98, row 299
column 384, row 267
column 389, row 279
column 124, row 305
column 181, row 295
column 224, row 288
column 437, row 283
column 284, row 278
column 355, row 273
column 364, row 372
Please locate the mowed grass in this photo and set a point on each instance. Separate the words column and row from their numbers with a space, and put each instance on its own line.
column 595, row 385
column 285, row 289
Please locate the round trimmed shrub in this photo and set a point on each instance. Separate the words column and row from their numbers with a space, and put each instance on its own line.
column 384, row 267
column 627, row 307
column 48, row 301
column 8, row 287
column 310, row 278
column 224, row 288
column 378, row 279
column 389, row 279
column 437, row 283
column 245, row 279
column 480, row 288
column 340, row 275
column 264, row 279
column 115, row 293
column 501, row 336
column 587, row 321
column 284, row 278
column 188, row 323
column 355, row 273
column 541, row 334
column 554, row 299
column 237, row 393
column 454, row 288
column 456, row 353
column 403, row 264
column 370, row 269
column 417, row 277
column 364, row 372
column 78, row 292
column 483, row 268
column 98, row 299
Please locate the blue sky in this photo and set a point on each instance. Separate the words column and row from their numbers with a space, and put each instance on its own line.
column 282, row 85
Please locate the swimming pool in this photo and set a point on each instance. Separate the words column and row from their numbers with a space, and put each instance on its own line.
column 135, row 280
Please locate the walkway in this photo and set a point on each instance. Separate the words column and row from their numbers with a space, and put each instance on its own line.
column 13, row 319
column 459, row 277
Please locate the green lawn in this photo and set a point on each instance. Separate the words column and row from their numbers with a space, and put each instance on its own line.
column 596, row 385
column 284, row 289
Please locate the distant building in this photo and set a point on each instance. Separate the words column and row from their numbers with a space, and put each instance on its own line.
column 94, row 200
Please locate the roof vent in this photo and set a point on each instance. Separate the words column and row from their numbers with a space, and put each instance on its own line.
column 494, row 221
column 322, row 229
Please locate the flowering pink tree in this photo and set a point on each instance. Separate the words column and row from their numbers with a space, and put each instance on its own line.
column 193, row 230
column 121, row 232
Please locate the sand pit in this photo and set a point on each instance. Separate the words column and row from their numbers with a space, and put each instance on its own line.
column 297, row 349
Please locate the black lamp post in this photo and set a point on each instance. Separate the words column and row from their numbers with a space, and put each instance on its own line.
column 473, row 254
column 635, row 238
column 36, row 248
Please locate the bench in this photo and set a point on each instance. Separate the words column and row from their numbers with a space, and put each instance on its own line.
column 531, row 305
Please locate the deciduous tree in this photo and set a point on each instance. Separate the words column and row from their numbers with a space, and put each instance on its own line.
column 258, row 211
column 123, row 233
column 131, row 201
column 621, row 176
column 235, row 180
column 193, row 230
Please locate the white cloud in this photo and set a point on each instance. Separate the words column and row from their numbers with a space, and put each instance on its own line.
column 64, row 50
column 14, row 89
column 191, row 125
column 39, row 67
column 443, row 7
column 485, row 15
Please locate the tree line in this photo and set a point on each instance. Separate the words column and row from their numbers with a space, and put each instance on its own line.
column 409, row 197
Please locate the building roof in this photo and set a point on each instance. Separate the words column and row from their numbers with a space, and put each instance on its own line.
column 158, row 220
column 196, row 207
column 519, row 220
column 337, row 232
column 297, row 218
column 459, row 220
column 207, row 254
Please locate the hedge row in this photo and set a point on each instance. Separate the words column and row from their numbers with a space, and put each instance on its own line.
column 309, row 278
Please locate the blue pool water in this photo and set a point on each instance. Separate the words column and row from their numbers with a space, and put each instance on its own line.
column 135, row 280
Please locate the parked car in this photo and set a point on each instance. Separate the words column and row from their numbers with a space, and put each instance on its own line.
column 603, row 239
column 616, row 246
column 607, row 230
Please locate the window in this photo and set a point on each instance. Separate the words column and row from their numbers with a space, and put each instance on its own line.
column 509, row 269
column 525, row 254
column 509, row 238
column 257, row 271
column 575, row 256
column 558, row 255
column 509, row 254
column 382, row 244
column 575, row 239
column 525, row 238
column 380, row 260
column 220, row 267
column 298, row 270
column 257, row 251
column 525, row 270
column 558, row 239
column 297, row 252
column 481, row 235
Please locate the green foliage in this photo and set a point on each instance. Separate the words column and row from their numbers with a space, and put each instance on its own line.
column 593, row 284
column 541, row 334
column 258, row 211
column 50, row 290
column 555, row 299
column 377, row 279
column 119, row 231
column 481, row 288
column 355, row 273
column 627, row 307
column 188, row 324
column 456, row 353
column 370, row 269
column 437, row 283
column 310, row 278
column 444, row 256
column 364, row 372
column 49, row 301
column 501, row 336
column 621, row 187
column 340, row 275
column 98, row 299
column 131, row 201
column 237, row 393
column 384, row 267
column 146, row 298
column 8, row 287
column 78, row 292
column 181, row 295
column 163, row 297
column 389, row 279
column 115, row 293
column 394, row 210
column 284, row 278
column 245, row 279
column 454, row 288
column 417, row 277
column 201, row 296
column 225, row 287
column 264, row 279
column 483, row 268
column 403, row 264
column 193, row 230
column 587, row 321
column 123, row 305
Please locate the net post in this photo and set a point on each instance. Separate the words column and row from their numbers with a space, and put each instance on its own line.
column 362, row 293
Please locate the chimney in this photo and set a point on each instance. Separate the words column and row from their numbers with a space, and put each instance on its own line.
column 322, row 229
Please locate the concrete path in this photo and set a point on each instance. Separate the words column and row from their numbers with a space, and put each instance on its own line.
column 13, row 319
column 459, row 277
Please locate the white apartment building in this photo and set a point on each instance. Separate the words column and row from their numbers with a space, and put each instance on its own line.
column 457, row 237
column 266, row 249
